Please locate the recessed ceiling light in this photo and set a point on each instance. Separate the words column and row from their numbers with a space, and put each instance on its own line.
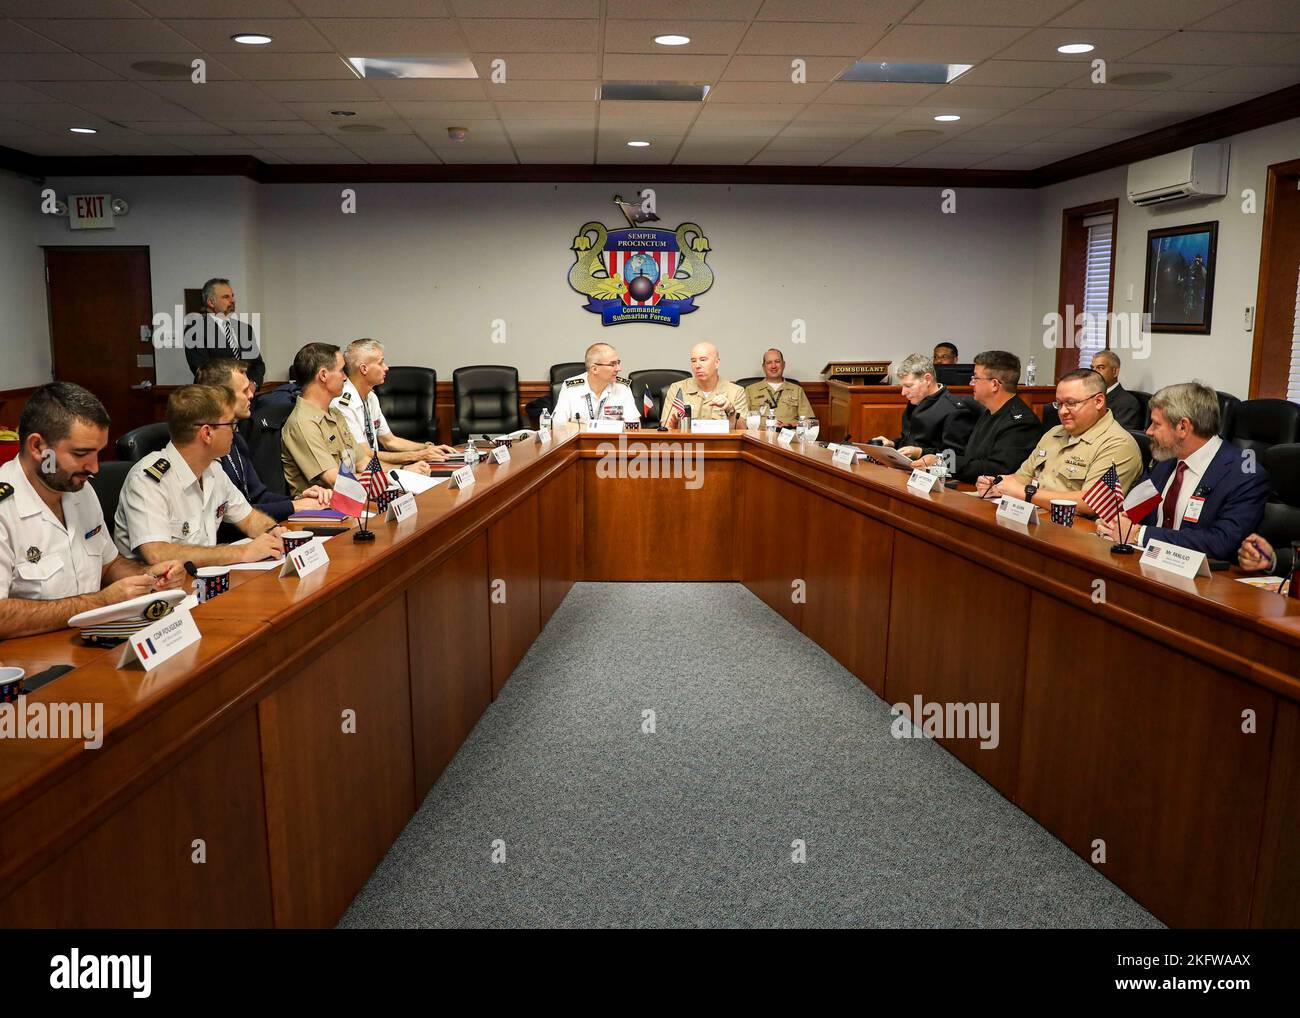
column 1076, row 47
column 672, row 40
column 639, row 144
column 947, row 118
column 83, row 130
column 251, row 38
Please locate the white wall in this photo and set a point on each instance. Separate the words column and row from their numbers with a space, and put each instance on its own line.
column 195, row 228
column 24, row 318
column 1221, row 358
column 874, row 272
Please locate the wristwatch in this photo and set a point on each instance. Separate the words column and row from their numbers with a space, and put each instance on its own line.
column 1031, row 489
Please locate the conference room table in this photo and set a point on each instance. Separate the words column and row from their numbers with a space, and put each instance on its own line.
column 1151, row 723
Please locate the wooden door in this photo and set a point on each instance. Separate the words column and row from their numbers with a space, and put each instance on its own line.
column 99, row 299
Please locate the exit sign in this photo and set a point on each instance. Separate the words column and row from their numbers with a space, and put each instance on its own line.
column 90, row 211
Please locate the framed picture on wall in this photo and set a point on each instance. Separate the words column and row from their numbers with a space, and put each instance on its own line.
column 1179, row 294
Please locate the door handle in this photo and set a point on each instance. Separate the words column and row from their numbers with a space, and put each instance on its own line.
column 144, row 386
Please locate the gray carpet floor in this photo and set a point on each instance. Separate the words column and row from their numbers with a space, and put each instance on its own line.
column 761, row 738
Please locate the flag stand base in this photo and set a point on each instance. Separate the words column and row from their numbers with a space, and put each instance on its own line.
column 363, row 535
column 1121, row 549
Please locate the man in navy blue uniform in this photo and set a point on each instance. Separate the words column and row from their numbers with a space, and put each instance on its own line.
column 1212, row 493
column 238, row 464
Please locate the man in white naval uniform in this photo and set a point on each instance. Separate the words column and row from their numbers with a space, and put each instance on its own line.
column 599, row 393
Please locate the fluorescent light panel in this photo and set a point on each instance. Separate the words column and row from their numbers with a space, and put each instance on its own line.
column 916, row 74
column 653, row 91
column 412, row 67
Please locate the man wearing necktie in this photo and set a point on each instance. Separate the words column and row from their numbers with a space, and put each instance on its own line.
column 223, row 335
column 1212, row 493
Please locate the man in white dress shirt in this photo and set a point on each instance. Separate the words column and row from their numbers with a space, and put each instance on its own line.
column 599, row 393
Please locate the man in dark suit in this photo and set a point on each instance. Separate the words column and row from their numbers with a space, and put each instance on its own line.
column 220, row 333
column 238, row 463
column 934, row 419
column 1005, row 436
column 1119, row 401
column 1211, row 495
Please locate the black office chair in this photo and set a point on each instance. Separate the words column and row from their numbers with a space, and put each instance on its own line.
column 1228, row 404
column 108, row 487
column 560, row 373
column 1051, row 418
column 1260, row 423
column 139, row 442
column 1283, row 465
column 1144, row 401
column 487, row 400
column 1144, row 446
column 409, row 400
column 657, row 381
column 265, row 443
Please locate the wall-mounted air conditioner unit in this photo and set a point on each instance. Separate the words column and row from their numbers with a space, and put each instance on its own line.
column 1197, row 172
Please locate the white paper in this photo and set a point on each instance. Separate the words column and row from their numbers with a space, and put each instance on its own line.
column 605, row 426
column 401, row 508
column 1017, row 510
column 501, row 453
column 710, row 427
column 417, row 484
column 1172, row 559
column 269, row 563
column 463, row 477
column 785, row 436
column 305, row 560
column 845, row 454
column 164, row 639
column 922, row 481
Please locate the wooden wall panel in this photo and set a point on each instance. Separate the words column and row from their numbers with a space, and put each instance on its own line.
column 514, row 614
column 136, row 869
column 659, row 529
column 1277, row 884
column 451, row 658
column 957, row 635
column 847, row 568
column 772, row 553
column 337, row 801
column 559, row 522
column 1132, row 743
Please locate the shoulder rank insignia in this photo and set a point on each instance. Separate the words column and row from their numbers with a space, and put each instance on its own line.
column 345, row 399
column 579, row 380
column 92, row 533
column 6, row 490
column 157, row 469
column 620, row 380
column 1016, row 417
column 33, row 554
column 185, row 529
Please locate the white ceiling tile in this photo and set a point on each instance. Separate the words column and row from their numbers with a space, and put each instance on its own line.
column 107, row 36
column 268, row 157
column 1251, row 16
column 1192, row 47
column 1022, row 73
column 44, row 112
column 374, row 110
column 318, row 91
column 526, row 8
column 1142, row 120
column 117, row 100
column 716, row 37
column 531, row 35
column 1053, row 150
column 543, row 91
column 797, row 143
column 926, row 112
column 1192, row 103
column 1180, row 75
column 1091, row 137
column 876, row 93
column 230, row 8
column 1167, row 14
column 16, row 129
column 10, row 92
column 447, row 90
column 1044, row 118
column 859, row 156
column 572, row 154
column 824, row 133
column 416, row 109
column 951, row 43
column 51, row 67
column 1110, row 43
column 684, row 10
column 962, row 146
column 284, row 142
column 145, row 147
column 1011, row 161
column 663, row 67
column 555, row 66
column 766, row 92
column 375, row 8
column 474, row 156
column 260, row 65
column 712, row 154
column 120, row 63
column 750, row 67
column 341, row 129
column 61, row 145
column 291, row 35
column 173, row 129
column 358, row 37
column 545, row 110
column 1024, row 13
column 813, row 40
column 366, row 144
column 998, row 131
column 267, row 126
column 942, row 161
column 481, row 132
column 309, row 155
column 225, row 97
column 71, row 9
column 826, row 112
column 14, row 38
column 741, row 112
column 1098, row 97
column 975, row 96
column 775, row 157
column 1249, row 79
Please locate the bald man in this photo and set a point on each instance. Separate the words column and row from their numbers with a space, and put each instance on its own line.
column 709, row 397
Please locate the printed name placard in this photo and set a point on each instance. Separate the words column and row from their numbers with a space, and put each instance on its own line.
column 463, row 477
column 165, row 638
column 922, row 481
column 501, row 453
column 845, row 455
column 544, row 436
column 1172, row 559
column 710, row 427
column 605, row 426
column 1017, row 510
column 785, row 436
column 400, row 508
column 305, row 560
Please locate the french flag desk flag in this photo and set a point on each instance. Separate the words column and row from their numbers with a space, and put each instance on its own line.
column 349, row 496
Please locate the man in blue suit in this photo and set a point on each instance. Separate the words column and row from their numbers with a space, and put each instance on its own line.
column 1212, row 494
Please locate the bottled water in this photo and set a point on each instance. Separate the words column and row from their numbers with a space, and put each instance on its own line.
column 1031, row 372
column 544, row 422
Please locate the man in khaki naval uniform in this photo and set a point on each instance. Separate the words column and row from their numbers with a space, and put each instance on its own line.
column 1070, row 458
column 316, row 439
column 788, row 400
column 709, row 397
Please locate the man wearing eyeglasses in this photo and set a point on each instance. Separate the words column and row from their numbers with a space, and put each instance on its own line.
column 1069, row 458
column 1005, row 435
column 599, row 393
column 173, row 504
